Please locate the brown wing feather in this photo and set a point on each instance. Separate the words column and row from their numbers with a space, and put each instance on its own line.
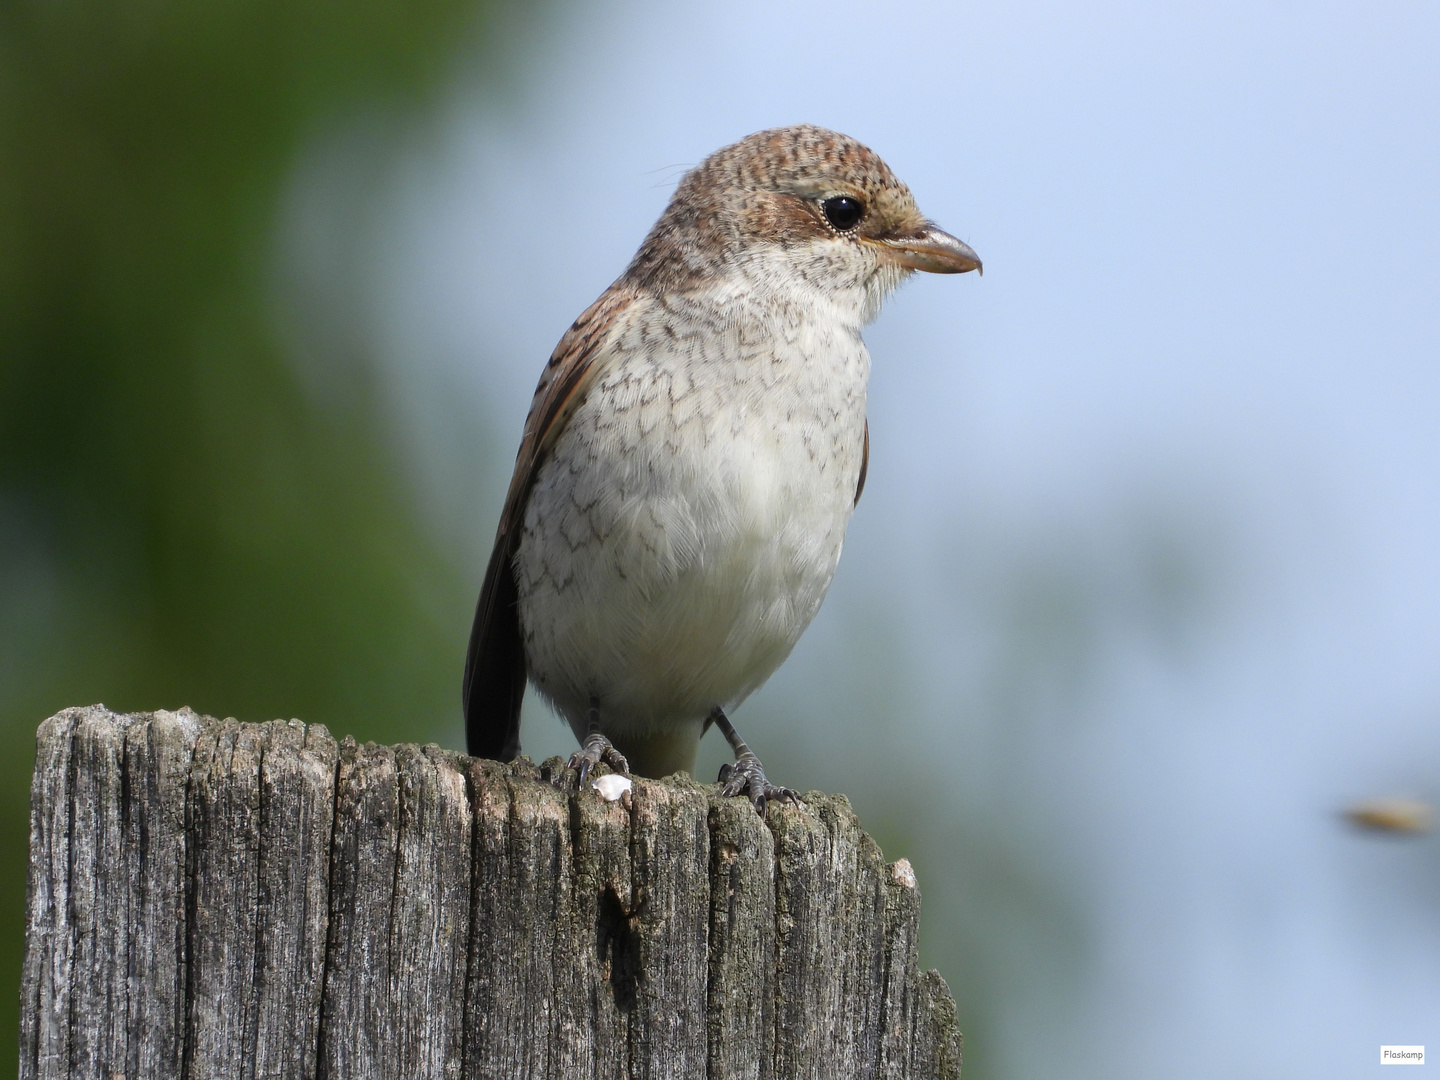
column 495, row 661
column 864, row 464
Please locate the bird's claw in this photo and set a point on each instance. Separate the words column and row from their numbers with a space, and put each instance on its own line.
column 747, row 777
column 595, row 749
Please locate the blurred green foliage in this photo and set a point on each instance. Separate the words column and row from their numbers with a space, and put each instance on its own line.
column 179, row 523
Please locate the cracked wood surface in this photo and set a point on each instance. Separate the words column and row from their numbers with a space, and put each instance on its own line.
column 214, row 899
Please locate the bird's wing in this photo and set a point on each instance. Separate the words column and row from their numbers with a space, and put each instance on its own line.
column 864, row 464
column 495, row 662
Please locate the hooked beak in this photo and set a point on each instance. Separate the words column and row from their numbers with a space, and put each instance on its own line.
column 933, row 250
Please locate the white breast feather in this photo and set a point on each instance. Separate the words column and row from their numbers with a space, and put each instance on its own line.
column 687, row 525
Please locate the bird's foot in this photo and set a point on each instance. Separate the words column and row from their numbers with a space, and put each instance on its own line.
column 595, row 749
column 747, row 777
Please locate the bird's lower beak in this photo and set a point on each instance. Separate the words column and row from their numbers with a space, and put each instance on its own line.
column 933, row 250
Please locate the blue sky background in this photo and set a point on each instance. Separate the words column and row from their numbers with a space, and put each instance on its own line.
column 1145, row 587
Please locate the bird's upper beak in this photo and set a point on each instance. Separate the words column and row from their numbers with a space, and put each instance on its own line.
column 932, row 249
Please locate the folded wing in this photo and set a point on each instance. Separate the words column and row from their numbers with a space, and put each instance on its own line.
column 495, row 662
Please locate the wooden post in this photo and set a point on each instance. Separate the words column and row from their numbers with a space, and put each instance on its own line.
column 215, row 899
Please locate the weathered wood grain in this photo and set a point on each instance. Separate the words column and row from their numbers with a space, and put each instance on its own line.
column 519, row 953
column 258, row 817
column 214, row 899
column 157, row 761
column 670, row 868
column 741, row 1013
column 598, row 962
column 399, row 914
column 49, row 940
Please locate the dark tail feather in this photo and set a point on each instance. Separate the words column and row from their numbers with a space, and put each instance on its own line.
column 495, row 665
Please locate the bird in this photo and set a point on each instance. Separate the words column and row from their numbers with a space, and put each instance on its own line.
column 692, row 456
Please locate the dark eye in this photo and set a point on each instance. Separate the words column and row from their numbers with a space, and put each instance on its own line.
column 843, row 212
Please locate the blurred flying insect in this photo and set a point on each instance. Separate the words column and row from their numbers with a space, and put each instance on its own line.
column 1397, row 816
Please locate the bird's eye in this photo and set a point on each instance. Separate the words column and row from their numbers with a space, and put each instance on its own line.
column 843, row 212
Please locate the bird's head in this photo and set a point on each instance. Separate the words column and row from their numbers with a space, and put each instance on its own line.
column 797, row 208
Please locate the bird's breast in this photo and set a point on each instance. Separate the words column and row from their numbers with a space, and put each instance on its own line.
column 690, row 516
column 703, row 436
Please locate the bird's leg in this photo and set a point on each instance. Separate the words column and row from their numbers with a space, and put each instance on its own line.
column 746, row 776
column 596, row 748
